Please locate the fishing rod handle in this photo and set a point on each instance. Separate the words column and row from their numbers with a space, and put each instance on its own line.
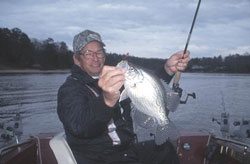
column 177, row 78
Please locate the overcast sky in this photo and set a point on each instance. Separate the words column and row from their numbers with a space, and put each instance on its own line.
column 144, row 28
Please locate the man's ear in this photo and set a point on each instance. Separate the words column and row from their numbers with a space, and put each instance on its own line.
column 76, row 61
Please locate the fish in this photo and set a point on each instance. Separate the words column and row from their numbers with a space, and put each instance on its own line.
column 148, row 95
column 145, row 91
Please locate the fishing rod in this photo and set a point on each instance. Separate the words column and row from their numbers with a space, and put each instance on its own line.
column 178, row 73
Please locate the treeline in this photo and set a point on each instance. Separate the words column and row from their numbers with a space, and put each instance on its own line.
column 149, row 63
column 18, row 51
column 230, row 64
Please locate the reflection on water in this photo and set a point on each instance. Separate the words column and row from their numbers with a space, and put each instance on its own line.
column 210, row 90
column 22, row 91
column 35, row 95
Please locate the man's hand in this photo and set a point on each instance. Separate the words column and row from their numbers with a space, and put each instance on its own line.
column 110, row 81
column 177, row 62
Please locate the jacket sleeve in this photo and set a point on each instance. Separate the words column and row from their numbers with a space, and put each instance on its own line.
column 82, row 114
column 161, row 73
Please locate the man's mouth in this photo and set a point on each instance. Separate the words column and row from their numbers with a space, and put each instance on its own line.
column 95, row 65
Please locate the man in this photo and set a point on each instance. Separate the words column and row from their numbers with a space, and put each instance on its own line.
column 88, row 107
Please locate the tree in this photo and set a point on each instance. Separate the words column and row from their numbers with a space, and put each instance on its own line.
column 64, row 58
column 48, row 56
column 16, row 48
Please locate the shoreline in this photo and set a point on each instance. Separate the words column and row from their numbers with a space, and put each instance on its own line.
column 10, row 71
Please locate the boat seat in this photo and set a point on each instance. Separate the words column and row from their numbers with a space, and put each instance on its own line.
column 62, row 150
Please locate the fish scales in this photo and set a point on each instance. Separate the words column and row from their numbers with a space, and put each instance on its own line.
column 145, row 91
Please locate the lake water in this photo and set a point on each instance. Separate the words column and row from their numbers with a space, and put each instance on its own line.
column 35, row 96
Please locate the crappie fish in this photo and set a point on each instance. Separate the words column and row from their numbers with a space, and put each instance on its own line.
column 149, row 98
column 145, row 91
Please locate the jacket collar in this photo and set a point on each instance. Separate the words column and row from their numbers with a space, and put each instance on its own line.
column 81, row 75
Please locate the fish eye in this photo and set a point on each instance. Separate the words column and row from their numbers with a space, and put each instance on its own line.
column 131, row 69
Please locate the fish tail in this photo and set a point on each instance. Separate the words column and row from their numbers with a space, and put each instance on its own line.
column 167, row 132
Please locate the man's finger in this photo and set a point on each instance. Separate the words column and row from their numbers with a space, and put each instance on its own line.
column 106, row 69
column 111, row 71
column 111, row 79
column 181, row 54
column 185, row 60
column 178, row 55
column 112, row 82
column 115, row 88
column 186, row 55
column 181, row 66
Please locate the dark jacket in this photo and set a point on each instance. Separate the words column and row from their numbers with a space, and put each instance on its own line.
column 88, row 122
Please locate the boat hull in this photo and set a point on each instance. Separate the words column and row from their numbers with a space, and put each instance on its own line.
column 192, row 148
column 35, row 150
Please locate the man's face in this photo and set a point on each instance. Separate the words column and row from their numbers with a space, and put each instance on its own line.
column 89, row 60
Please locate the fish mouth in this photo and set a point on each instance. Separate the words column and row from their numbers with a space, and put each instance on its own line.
column 123, row 64
column 132, row 73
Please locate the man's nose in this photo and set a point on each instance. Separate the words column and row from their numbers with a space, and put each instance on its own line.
column 95, row 58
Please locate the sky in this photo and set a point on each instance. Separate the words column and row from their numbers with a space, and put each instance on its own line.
column 144, row 28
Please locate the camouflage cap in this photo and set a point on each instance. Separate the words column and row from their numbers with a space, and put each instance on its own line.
column 83, row 38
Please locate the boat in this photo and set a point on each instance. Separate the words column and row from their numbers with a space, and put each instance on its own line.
column 191, row 147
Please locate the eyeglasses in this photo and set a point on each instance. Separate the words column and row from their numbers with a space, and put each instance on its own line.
column 90, row 54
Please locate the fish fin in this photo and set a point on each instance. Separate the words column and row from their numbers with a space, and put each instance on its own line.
column 172, row 99
column 167, row 132
column 143, row 120
column 123, row 95
column 143, row 125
